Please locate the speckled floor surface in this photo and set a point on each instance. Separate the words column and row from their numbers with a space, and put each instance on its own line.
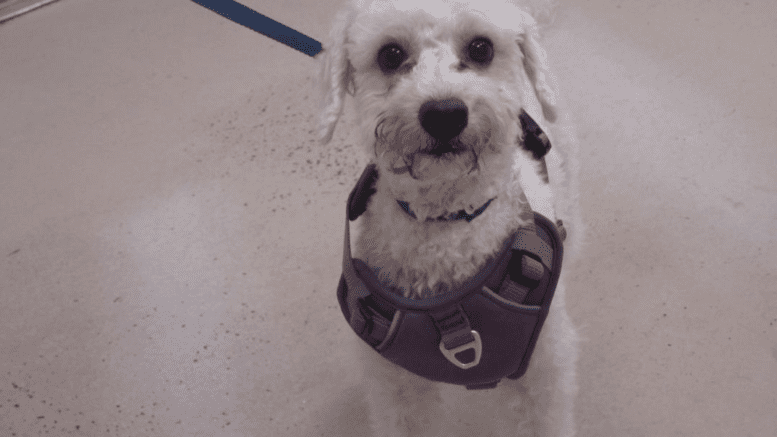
column 170, row 232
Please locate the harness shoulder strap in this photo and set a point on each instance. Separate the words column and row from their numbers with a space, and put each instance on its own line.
column 361, row 193
column 352, row 292
column 534, row 139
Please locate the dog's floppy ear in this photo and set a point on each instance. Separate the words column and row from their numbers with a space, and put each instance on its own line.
column 335, row 76
column 535, row 62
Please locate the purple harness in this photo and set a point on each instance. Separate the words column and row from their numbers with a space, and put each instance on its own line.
column 474, row 335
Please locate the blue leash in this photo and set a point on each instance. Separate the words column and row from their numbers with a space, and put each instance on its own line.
column 253, row 20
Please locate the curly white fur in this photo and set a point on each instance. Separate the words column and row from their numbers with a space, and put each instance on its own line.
column 424, row 256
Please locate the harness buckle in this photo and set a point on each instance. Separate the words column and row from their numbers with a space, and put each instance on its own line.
column 474, row 343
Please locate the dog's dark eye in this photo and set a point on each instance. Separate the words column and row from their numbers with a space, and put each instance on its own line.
column 481, row 50
column 391, row 57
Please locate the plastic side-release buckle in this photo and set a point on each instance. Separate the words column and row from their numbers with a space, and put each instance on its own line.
column 375, row 327
column 458, row 337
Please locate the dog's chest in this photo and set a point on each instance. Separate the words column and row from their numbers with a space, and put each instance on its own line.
column 423, row 257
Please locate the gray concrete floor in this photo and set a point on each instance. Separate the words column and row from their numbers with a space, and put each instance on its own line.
column 170, row 232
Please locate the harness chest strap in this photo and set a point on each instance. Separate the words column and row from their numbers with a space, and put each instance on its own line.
column 509, row 299
column 531, row 271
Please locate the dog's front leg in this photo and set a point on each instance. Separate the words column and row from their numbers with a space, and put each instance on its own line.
column 400, row 403
column 552, row 372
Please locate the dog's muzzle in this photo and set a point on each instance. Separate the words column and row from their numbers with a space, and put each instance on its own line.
column 475, row 335
column 434, row 146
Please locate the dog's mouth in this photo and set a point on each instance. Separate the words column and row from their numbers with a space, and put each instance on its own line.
column 440, row 148
column 445, row 161
column 406, row 148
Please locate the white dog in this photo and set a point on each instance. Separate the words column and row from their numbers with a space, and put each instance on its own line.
column 443, row 90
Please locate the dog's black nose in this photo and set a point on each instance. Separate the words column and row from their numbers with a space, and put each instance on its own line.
column 443, row 119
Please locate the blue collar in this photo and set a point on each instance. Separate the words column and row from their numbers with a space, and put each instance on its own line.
column 460, row 215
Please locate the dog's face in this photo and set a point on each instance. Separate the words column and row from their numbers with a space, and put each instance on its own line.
column 439, row 86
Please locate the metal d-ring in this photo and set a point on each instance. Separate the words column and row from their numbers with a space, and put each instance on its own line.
column 475, row 344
